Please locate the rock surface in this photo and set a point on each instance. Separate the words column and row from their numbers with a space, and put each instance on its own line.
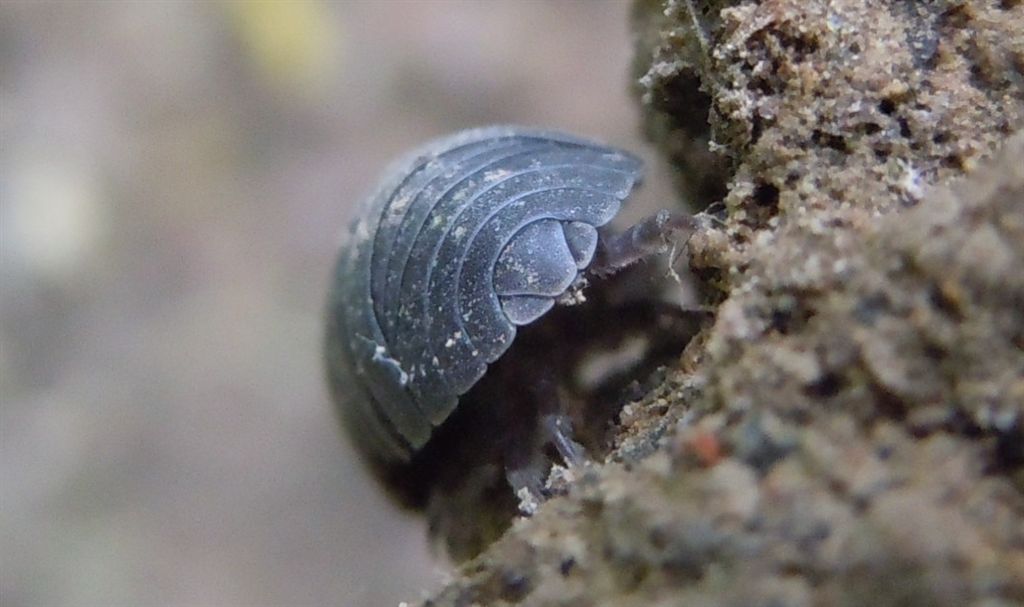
column 850, row 428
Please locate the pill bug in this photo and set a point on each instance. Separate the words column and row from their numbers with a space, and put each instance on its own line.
column 468, row 240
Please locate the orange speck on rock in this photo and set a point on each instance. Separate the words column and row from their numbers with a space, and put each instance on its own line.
column 706, row 447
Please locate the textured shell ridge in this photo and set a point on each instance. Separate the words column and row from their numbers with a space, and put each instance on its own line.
column 413, row 313
column 360, row 410
column 384, row 367
column 414, row 223
column 462, row 362
column 417, row 312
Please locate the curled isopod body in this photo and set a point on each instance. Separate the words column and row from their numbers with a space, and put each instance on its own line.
column 467, row 240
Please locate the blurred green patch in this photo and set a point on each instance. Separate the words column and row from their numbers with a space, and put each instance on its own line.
column 294, row 44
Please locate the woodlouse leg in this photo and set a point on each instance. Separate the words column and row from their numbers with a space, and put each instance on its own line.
column 554, row 423
column 558, row 430
column 652, row 236
column 527, row 482
column 526, row 462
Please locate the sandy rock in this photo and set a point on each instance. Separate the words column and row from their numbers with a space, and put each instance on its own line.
column 850, row 429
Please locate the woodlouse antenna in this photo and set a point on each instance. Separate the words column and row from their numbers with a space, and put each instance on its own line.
column 652, row 236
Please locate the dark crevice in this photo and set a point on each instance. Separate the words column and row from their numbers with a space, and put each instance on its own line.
column 904, row 128
column 870, row 128
column 888, row 404
column 680, row 124
column 1008, row 454
column 789, row 318
column 766, row 195
column 827, row 386
column 953, row 161
column 756, row 128
column 830, row 140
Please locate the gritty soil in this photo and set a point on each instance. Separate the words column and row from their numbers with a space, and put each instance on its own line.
column 849, row 430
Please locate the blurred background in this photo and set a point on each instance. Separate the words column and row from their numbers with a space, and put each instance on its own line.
column 174, row 179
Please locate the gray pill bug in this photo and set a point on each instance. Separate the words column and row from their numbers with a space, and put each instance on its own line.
column 468, row 247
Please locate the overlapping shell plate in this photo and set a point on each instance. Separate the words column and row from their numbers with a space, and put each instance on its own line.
column 467, row 238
